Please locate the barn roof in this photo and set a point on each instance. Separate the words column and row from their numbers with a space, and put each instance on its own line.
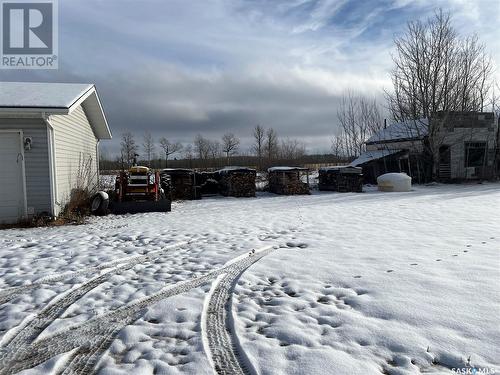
column 342, row 168
column 411, row 129
column 56, row 99
column 367, row 156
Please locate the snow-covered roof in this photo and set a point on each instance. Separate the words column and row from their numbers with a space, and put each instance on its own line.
column 176, row 170
column 285, row 169
column 235, row 169
column 411, row 129
column 41, row 95
column 343, row 169
column 55, row 98
column 367, row 156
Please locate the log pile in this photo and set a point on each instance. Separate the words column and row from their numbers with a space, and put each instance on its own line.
column 237, row 182
column 287, row 182
column 341, row 179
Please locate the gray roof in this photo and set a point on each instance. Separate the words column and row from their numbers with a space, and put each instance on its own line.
column 41, row 95
column 410, row 129
column 55, row 99
column 367, row 156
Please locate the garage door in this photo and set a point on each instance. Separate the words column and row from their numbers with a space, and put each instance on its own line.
column 12, row 202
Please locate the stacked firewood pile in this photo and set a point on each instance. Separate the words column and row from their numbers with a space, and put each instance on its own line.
column 287, row 181
column 237, row 182
column 182, row 184
column 341, row 179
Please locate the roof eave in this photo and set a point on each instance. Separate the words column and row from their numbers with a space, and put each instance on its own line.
column 41, row 110
column 395, row 140
column 91, row 103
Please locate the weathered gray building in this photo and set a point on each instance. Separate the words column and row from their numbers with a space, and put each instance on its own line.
column 466, row 145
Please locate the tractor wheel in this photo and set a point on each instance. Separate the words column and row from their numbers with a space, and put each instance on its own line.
column 99, row 204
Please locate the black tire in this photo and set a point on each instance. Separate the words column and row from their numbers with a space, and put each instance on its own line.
column 99, row 204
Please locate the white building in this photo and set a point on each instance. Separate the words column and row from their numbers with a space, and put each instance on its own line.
column 49, row 145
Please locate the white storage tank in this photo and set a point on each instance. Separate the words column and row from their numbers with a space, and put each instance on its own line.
column 394, row 182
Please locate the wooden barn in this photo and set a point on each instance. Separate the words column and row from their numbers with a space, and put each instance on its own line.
column 237, row 182
column 288, row 180
column 182, row 185
column 342, row 179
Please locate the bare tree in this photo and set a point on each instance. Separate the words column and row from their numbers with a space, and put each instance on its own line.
column 169, row 148
column 292, row 149
column 230, row 145
column 495, row 101
column 214, row 149
column 271, row 144
column 188, row 151
column 258, row 146
column 128, row 149
column 189, row 154
column 202, row 147
column 359, row 118
column 436, row 70
column 149, row 147
column 337, row 145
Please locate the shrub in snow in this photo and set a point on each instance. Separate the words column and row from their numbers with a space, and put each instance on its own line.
column 394, row 182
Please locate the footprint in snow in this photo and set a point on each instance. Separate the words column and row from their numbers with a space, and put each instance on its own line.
column 390, row 271
column 414, row 264
column 357, row 277
column 466, row 251
column 468, row 245
column 438, row 260
column 483, row 242
column 454, row 255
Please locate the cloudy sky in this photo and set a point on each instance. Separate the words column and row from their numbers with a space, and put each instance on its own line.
column 177, row 68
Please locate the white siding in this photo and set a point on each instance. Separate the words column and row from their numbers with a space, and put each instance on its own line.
column 75, row 154
column 36, row 161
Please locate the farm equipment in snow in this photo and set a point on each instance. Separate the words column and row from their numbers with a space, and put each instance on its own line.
column 137, row 190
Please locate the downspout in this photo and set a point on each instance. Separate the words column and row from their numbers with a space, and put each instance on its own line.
column 52, row 157
column 97, row 164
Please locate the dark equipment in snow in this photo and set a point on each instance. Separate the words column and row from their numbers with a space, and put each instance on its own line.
column 182, row 184
column 208, row 182
column 342, row 179
column 138, row 190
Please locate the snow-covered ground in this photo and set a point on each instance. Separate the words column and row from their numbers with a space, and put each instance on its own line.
column 393, row 283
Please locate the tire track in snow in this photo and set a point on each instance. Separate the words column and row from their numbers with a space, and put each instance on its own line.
column 8, row 294
column 33, row 328
column 93, row 337
column 219, row 337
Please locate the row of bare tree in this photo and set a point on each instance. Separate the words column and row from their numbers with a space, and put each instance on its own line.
column 266, row 146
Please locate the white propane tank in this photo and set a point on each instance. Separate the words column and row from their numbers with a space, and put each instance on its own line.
column 394, row 182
